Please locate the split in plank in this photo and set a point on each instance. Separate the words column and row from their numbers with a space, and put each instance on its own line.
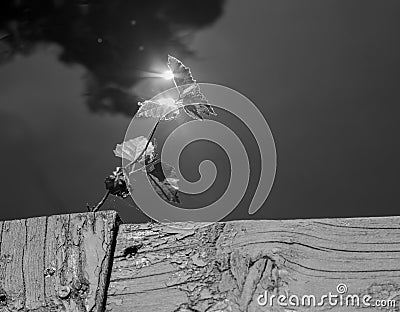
column 230, row 266
column 56, row 263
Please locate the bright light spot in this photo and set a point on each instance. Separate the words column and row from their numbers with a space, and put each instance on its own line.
column 167, row 75
column 166, row 101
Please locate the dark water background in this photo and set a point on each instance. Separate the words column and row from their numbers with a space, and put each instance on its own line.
column 325, row 74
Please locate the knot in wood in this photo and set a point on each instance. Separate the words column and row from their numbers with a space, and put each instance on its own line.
column 49, row 272
column 3, row 297
column 275, row 250
column 64, row 291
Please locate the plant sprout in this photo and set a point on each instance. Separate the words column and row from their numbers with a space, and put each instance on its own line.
column 139, row 152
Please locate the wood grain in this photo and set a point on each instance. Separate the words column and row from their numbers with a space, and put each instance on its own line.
column 57, row 263
column 232, row 266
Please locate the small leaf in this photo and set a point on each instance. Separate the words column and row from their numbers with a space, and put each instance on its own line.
column 182, row 74
column 130, row 150
column 165, row 109
column 164, row 189
column 194, row 102
column 164, row 180
column 117, row 183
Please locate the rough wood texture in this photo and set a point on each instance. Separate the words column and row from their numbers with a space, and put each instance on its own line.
column 57, row 263
column 231, row 266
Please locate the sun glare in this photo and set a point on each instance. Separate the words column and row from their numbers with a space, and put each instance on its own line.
column 167, row 75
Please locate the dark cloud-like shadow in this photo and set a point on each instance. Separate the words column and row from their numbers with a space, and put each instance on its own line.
column 116, row 41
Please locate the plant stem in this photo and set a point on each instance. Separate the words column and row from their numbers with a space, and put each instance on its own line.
column 148, row 165
column 152, row 134
column 145, row 148
column 101, row 202
column 158, row 185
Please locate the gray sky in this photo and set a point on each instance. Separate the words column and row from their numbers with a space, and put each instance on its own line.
column 325, row 75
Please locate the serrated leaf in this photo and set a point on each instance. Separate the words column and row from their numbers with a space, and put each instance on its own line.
column 165, row 109
column 164, row 189
column 194, row 102
column 130, row 150
column 192, row 111
column 162, row 171
column 164, row 180
column 182, row 74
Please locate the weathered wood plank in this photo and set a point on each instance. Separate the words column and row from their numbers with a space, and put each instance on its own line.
column 57, row 263
column 232, row 266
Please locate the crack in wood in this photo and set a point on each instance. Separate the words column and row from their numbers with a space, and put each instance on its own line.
column 57, row 263
column 353, row 271
column 190, row 267
column 229, row 271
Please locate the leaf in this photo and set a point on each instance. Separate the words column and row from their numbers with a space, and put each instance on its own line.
column 164, row 189
column 164, row 180
column 130, row 150
column 188, row 89
column 194, row 102
column 162, row 171
column 117, row 183
column 165, row 109
column 182, row 74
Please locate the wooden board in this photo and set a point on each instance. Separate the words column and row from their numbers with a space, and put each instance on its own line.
column 233, row 266
column 57, row 263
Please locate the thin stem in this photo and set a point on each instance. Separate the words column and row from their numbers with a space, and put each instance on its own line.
column 152, row 133
column 158, row 185
column 147, row 166
column 101, row 202
column 149, row 140
column 154, row 130
column 145, row 148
